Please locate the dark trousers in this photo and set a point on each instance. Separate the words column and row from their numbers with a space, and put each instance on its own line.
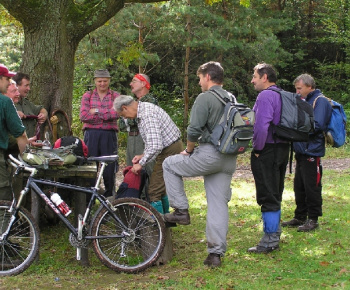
column 269, row 170
column 5, row 187
column 103, row 143
column 308, row 187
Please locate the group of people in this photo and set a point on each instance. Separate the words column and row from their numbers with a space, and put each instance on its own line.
column 154, row 144
column 20, row 118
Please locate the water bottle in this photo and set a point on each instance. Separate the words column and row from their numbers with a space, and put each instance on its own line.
column 46, row 143
column 61, row 205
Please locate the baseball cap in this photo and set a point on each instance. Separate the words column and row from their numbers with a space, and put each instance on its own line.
column 101, row 73
column 5, row 72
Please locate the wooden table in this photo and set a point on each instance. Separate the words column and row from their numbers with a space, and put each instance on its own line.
column 81, row 174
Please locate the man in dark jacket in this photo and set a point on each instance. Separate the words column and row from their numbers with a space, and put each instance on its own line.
column 308, row 172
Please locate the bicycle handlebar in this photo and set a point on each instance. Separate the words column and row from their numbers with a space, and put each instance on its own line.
column 20, row 164
column 107, row 159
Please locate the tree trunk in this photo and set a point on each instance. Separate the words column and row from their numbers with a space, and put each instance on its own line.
column 50, row 66
column 187, row 61
column 53, row 30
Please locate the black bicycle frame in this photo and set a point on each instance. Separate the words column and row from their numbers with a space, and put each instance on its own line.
column 32, row 183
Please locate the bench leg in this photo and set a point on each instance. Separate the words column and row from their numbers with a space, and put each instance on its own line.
column 167, row 254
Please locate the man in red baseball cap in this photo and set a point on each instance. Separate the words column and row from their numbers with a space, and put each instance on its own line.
column 5, row 72
column 5, row 76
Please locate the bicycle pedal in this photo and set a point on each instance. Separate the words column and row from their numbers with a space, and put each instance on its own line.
column 170, row 225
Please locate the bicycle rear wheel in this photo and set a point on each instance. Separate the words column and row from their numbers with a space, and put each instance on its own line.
column 142, row 243
column 19, row 249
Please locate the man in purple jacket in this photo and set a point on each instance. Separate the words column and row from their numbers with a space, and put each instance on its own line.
column 269, row 157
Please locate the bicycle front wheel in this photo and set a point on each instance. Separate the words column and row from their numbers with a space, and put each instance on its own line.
column 139, row 246
column 19, row 249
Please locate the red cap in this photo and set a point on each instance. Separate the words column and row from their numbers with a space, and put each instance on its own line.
column 5, row 72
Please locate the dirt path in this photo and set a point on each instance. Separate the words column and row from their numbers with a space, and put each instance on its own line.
column 243, row 171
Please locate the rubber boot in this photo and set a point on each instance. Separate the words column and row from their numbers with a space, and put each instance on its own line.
column 272, row 232
column 165, row 203
column 158, row 206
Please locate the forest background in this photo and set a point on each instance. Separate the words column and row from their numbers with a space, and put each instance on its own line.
column 169, row 40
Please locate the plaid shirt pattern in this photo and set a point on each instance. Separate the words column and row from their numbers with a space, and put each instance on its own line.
column 106, row 118
column 157, row 130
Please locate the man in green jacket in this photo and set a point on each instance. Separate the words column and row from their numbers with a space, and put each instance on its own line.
column 32, row 115
column 216, row 168
column 10, row 124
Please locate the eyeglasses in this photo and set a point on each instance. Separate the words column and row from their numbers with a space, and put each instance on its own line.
column 134, row 81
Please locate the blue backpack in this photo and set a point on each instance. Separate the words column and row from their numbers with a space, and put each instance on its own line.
column 336, row 132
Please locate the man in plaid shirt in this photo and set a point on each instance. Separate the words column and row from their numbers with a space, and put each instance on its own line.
column 100, row 124
column 161, row 137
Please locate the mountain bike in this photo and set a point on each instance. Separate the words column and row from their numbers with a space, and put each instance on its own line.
column 127, row 234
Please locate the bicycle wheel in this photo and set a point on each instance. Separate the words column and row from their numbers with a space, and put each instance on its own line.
column 144, row 239
column 19, row 249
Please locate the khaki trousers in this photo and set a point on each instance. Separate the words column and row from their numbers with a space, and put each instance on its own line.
column 157, row 185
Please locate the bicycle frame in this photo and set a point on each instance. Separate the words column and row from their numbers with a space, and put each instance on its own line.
column 33, row 183
column 127, row 235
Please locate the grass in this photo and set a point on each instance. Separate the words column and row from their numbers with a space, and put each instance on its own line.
column 316, row 260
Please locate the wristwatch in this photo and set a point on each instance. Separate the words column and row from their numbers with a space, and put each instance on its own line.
column 188, row 151
column 96, row 111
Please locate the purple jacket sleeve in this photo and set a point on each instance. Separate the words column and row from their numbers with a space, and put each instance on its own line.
column 267, row 110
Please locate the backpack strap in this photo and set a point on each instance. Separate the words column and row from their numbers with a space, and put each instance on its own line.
column 313, row 106
column 320, row 96
column 222, row 99
column 278, row 90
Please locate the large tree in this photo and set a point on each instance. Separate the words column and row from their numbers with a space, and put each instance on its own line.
column 52, row 32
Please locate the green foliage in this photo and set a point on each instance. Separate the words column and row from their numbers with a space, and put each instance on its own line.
column 152, row 38
column 11, row 40
column 171, row 100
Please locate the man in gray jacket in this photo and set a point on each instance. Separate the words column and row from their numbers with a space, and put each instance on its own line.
column 206, row 161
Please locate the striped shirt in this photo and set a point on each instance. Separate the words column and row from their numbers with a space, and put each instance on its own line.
column 106, row 118
column 157, row 130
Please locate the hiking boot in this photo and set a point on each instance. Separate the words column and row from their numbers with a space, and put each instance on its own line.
column 179, row 216
column 263, row 250
column 213, row 260
column 293, row 223
column 310, row 225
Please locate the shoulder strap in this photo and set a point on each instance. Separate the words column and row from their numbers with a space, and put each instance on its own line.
column 225, row 101
column 319, row 96
column 277, row 90
column 222, row 99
